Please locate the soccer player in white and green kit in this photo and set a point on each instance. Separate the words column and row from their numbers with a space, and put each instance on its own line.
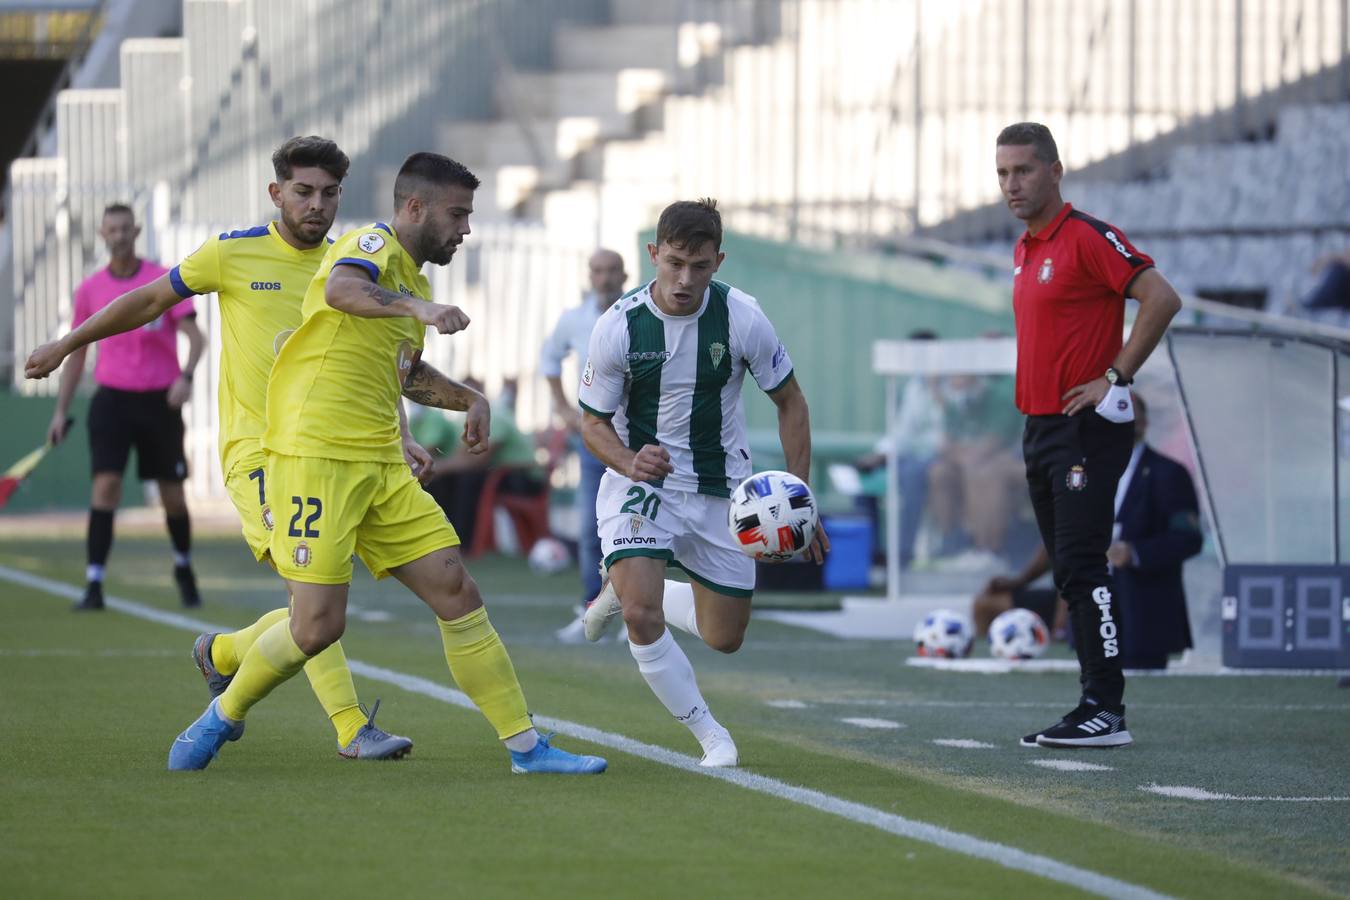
column 661, row 393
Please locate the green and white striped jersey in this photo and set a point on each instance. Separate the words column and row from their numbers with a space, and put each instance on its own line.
column 676, row 381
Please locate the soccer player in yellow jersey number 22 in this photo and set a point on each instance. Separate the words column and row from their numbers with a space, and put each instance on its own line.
column 338, row 480
column 260, row 276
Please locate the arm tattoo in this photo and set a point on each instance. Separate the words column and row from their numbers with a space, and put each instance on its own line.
column 429, row 387
column 380, row 295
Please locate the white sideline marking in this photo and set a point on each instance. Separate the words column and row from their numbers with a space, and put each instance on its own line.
column 872, row 723
column 786, row 704
column 1070, row 765
column 954, row 841
column 1182, row 792
column 963, row 744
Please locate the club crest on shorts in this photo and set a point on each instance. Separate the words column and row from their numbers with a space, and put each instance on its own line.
column 717, row 350
column 370, row 242
column 267, row 519
column 1045, row 272
column 635, row 525
column 301, row 555
column 1077, row 478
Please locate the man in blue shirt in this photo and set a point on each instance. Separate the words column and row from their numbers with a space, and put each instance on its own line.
column 572, row 334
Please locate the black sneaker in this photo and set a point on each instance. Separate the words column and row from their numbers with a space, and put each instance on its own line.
column 93, row 598
column 1090, row 726
column 187, row 586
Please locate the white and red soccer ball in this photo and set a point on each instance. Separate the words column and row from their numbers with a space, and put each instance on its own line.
column 1018, row 634
column 773, row 516
column 945, row 634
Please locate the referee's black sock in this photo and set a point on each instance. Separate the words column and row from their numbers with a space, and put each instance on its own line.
column 98, row 542
column 180, row 535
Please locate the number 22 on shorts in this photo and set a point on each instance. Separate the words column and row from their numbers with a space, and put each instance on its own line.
column 310, row 531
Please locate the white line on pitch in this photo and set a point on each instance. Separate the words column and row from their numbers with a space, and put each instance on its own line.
column 963, row 744
column 1070, row 765
column 1182, row 792
column 954, row 841
column 883, row 724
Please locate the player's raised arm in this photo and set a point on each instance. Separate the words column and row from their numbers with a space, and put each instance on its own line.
column 429, row 387
column 350, row 289
column 128, row 312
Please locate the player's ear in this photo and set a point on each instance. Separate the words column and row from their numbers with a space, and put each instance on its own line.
column 717, row 264
column 651, row 251
column 274, row 191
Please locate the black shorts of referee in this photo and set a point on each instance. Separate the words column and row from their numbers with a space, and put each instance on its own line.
column 120, row 420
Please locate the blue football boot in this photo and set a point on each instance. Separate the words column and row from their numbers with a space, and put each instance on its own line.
column 545, row 758
column 199, row 744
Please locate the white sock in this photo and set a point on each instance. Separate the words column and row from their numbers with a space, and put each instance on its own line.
column 677, row 603
column 671, row 678
column 523, row 742
column 93, row 572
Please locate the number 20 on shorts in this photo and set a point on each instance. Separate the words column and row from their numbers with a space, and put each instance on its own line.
column 641, row 503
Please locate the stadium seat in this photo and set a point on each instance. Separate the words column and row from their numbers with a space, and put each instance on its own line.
column 528, row 512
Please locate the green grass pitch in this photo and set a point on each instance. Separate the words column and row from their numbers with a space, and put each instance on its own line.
column 90, row 704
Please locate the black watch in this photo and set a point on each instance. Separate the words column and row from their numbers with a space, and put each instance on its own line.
column 1117, row 378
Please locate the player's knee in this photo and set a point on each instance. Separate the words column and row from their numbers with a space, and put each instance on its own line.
column 725, row 643
column 313, row 636
column 644, row 622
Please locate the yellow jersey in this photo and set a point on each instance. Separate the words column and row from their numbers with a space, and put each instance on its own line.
column 261, row 281
column 335, row 386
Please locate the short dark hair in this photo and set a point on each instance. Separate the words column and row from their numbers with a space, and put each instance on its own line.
column 689, row 224
column 431, row 168
column 1021, row 134
column 115, row 209
column 307, row 151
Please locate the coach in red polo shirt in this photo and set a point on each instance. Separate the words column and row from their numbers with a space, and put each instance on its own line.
column 1071, row 275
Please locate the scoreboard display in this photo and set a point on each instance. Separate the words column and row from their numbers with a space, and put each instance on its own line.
column 1286, row 616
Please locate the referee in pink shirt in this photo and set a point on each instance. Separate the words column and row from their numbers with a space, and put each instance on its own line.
column 141, row 390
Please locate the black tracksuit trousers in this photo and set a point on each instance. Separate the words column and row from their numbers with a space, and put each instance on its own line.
column 1073, row 466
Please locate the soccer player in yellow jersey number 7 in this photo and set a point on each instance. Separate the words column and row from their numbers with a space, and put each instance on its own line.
column 260, row 275
column 339, row 481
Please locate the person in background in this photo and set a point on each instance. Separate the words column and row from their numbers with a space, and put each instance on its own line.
column 139, row 401
column 572, row 334
column 1157, row 529
column 917, row 438
column 1004, row 592
column 457, row 476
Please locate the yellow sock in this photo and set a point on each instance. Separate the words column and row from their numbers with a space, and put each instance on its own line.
column 332, row 683
column 480, row 666
column 273, row 658
column 227, row 650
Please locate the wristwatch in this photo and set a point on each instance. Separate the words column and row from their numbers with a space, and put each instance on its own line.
column 1117, row 378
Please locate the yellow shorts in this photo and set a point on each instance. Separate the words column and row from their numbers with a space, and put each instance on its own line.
column 247, row 487
column 327, row 508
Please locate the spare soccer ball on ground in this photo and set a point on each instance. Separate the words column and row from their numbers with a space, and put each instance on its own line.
column 773, row 516
column 549, row 556
column 1018, row 634
column 944, row 633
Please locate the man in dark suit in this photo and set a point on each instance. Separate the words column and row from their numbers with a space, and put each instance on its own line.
column 1157, row 529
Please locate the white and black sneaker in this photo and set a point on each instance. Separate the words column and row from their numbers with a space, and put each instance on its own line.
column 1089, row 726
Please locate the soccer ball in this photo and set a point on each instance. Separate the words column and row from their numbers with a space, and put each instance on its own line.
column 772, row 516
column 944, row 633
column 1018, row 634
column 549, row 556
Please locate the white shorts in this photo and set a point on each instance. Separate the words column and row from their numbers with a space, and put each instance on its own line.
column 686, row 529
